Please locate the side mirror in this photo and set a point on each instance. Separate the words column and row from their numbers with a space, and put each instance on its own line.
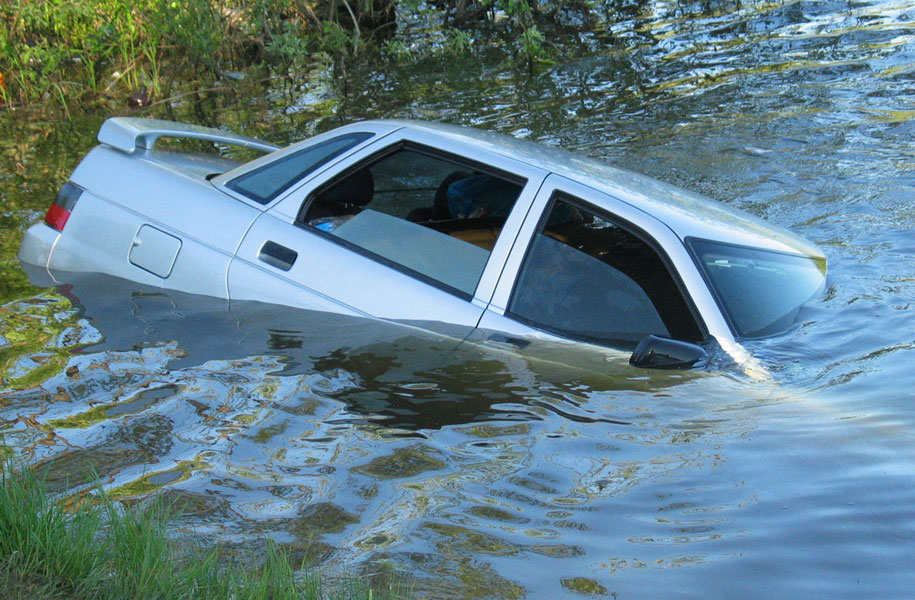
column 655, row 352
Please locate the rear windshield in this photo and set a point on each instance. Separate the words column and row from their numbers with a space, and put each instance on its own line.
column 269, row 181
column 761, row 292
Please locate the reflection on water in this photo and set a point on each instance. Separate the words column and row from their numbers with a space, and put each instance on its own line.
column 349, row 439
column 487, row 471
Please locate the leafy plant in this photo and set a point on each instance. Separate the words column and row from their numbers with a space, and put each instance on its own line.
column 457, row 41
column 290, row 46
column 531, row 39
column 398, row 50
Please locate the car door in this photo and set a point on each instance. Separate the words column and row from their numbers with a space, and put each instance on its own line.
column 414, row 228
column 592, row 268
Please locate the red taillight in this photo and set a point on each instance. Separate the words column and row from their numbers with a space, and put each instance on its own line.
column 63, row 205
column 57, row 217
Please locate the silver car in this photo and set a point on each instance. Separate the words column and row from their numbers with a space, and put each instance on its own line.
column 455, row 230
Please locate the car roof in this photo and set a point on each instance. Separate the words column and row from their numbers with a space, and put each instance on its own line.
column 685, row 213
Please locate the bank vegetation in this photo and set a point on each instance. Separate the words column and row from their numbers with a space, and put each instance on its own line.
column 73, row 53
column 94, row 549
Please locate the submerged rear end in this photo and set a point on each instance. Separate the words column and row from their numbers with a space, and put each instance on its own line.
column 151, row 216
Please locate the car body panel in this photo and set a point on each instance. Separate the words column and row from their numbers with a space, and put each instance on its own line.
column 326, row 276
column 360, row 282
column 175, row 199
column 100, row 238
column 167, row 194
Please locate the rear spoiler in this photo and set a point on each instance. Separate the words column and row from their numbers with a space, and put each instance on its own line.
column 130, row 133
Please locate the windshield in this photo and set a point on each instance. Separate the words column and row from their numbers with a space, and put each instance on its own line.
column 760, row 291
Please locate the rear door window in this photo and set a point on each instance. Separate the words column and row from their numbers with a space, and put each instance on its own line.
column 589, row 277
column 421, row 211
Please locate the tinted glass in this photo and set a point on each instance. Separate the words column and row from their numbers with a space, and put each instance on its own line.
column 266, row 183
column 586, row 277
column 420, row 212
column 761, row 292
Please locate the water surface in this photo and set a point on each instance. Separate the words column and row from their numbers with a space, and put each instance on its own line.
column 487, row 472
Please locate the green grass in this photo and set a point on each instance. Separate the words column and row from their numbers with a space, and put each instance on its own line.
column 70, row 52
column 97, row 549
column 115, row 52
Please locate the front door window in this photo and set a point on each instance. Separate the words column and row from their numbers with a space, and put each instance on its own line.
column 589, row 278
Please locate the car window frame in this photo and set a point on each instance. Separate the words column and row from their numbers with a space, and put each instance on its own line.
column 459, row 161
column 357, row 138
column 378, row 130
column 562, row 192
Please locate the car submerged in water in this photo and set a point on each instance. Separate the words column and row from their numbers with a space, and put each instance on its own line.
column 454, row 230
